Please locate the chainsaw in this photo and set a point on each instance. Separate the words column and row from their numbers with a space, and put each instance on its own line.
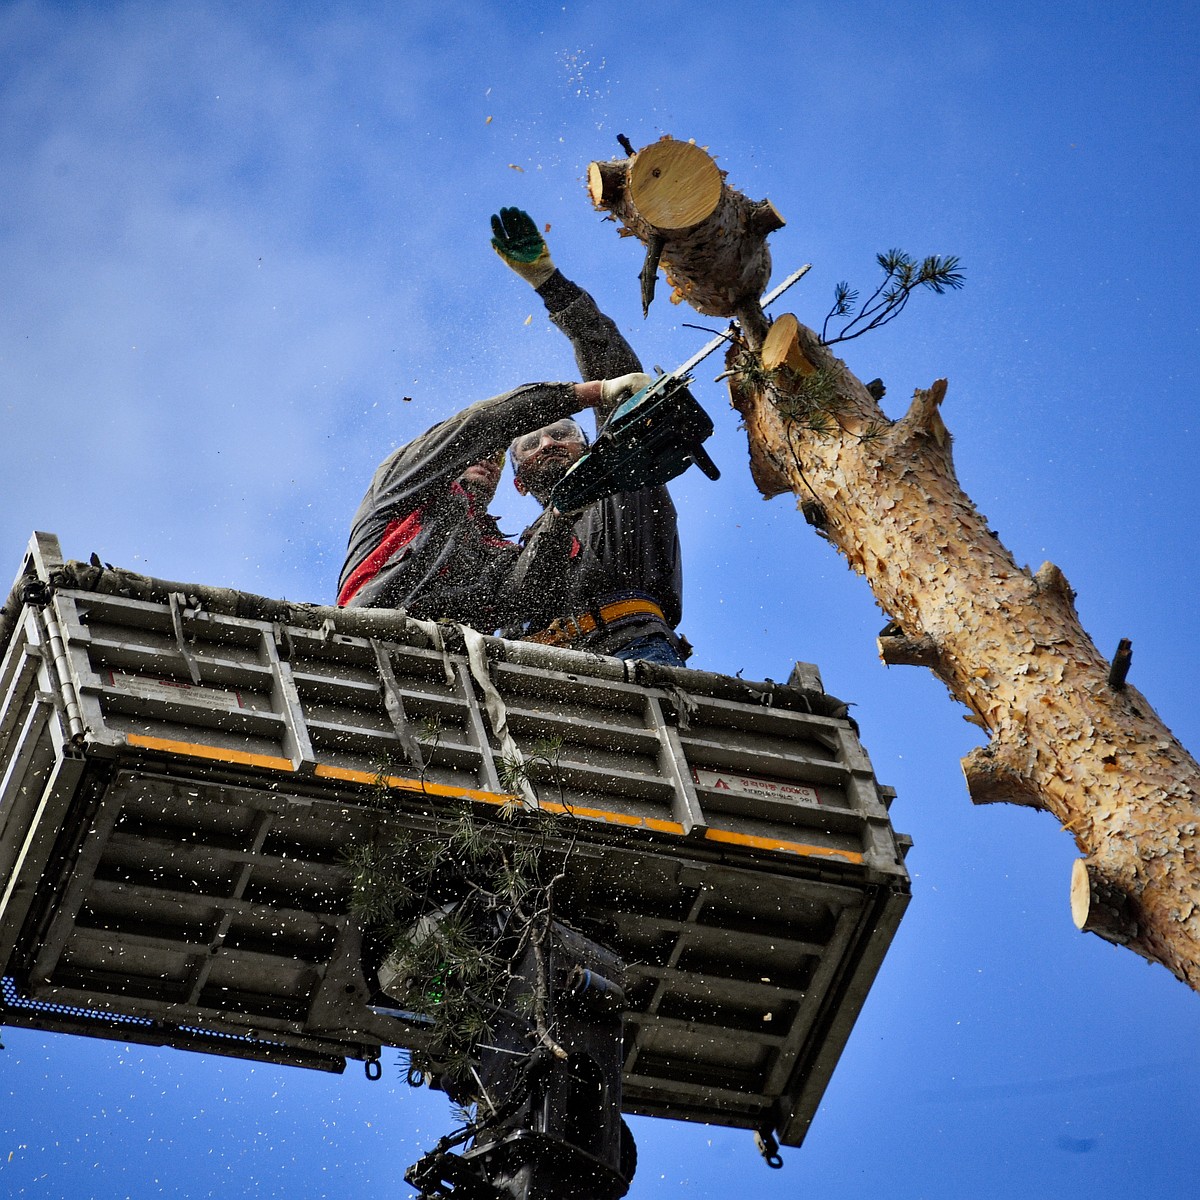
column 650, row 438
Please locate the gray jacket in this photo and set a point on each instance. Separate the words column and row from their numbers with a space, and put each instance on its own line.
column 625, row 545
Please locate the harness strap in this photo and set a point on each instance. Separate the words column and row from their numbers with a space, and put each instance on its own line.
column 565, row 630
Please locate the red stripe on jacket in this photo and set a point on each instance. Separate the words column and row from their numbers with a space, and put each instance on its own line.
column 399, row 532
column 396, row 535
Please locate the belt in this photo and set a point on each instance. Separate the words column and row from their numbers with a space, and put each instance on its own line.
column 565, row 630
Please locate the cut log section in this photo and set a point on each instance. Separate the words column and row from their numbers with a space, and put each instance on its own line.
column 672, row 195
column 674, row 185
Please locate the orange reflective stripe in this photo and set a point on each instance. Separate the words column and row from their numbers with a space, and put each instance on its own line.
column 766, row 843
column 218, row 753
column 614, row 818
column 401, row 783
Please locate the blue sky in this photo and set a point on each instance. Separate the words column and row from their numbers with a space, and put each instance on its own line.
column 234, row 238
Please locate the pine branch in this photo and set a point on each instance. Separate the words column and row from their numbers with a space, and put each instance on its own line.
column 459, row 909
column 901, row 277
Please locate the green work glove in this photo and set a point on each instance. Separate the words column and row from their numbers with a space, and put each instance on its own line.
column 522, row 247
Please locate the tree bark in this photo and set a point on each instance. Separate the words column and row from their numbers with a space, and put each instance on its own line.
column 1066, row 733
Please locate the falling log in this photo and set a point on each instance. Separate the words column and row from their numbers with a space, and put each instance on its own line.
column 672, row 195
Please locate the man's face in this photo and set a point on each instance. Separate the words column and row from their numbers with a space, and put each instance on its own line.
column 541, row 458
column 480, row 479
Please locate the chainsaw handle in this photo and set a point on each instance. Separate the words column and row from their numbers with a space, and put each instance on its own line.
column 701, row 458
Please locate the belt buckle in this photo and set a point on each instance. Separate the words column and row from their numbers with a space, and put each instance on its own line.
column 570, row 628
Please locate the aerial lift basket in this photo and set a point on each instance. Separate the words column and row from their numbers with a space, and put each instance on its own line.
column 184, row 769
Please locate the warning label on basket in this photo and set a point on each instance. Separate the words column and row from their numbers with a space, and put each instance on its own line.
column 747, row 785
column 173, row 689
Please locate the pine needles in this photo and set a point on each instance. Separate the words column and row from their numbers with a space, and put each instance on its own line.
column 806, row 401
column 902, row 275
column 454, row 910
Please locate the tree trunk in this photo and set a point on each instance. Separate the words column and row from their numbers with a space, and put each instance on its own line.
column 1007, row 643
column 1066, row 734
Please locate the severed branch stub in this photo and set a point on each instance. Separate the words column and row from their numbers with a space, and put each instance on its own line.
column 649, row 275
column 897, row 650
column 1120, row 665
column 1099, row 907
column 781, row 347
column 993, row 778
column 712, row 237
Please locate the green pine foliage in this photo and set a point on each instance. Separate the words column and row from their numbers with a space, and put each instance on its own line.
column 453, row 910
column 902, row 275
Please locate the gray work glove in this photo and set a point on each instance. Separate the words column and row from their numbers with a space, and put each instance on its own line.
column 613, row 391
column 519, row 243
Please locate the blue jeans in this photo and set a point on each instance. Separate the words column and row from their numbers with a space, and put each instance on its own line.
column 654, row 647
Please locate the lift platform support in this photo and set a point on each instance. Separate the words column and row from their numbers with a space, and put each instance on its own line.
column 551, row 1128
column 184, row 769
